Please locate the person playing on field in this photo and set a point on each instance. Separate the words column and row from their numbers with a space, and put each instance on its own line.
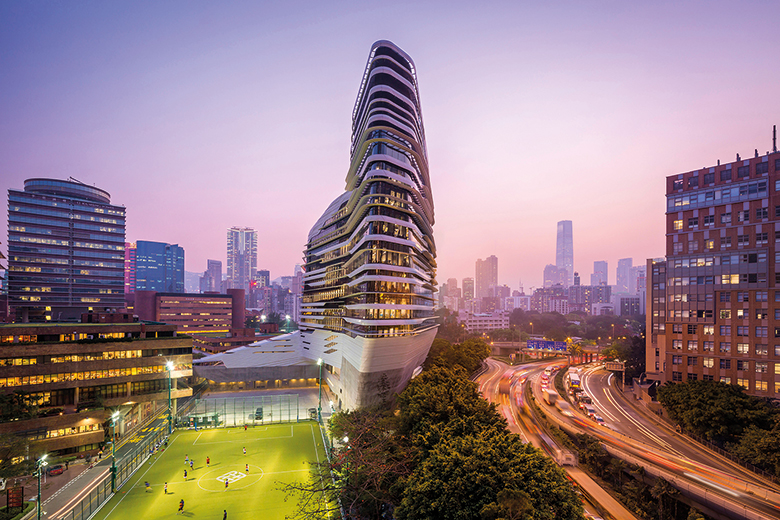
column 191, row 463
column 244, row 450
column 148, row 486
column 247, row 468
column 166, row 488
column 226, row 484
column 245, row 427
column 186, row 459
column 208, row 460
column 224, row 514
column 181, row 506
column 185, row 474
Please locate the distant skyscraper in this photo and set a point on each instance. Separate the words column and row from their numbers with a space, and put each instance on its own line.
column 66, row 248
column 486, row 276
column 159, row 267
column 600, row 273
column 468, row 288
column 623, row 275
column 564, row 251
column 637, row 275
column 211, row 281
column 554, row 276
column 241, row 257
column 129, row 267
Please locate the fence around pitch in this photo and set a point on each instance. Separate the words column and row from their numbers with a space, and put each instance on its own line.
column 238, row 411
column 125, row 468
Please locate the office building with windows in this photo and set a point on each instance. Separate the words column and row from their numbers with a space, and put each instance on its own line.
column 66, row 245
column 714, row 301
column 241, row 257
column 78, row 373
column 159, row 267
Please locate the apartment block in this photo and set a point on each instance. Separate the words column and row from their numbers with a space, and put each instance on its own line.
column 714, row 301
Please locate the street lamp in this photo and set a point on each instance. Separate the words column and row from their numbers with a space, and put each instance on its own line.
column 39, row 465
column 532, row 328
column 287, row 324
column 169, row 366
column 319, row 405
column 114, row 417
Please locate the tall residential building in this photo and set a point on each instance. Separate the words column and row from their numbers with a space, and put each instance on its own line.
column 129, row 267
column 714, row 304
column 623, row 275
column 211, row 281
column 600, row 273
column 263, row 278
column 66, row 245
column 564, row 251
column 486, row 276
column 159, row 267
column 368, row 295
column 241, row 257
column 468, row 288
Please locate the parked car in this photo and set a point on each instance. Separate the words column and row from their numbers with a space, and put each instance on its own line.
column 56, row 470
column 259, row 414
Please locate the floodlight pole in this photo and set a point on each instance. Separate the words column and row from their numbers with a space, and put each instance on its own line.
column 40, row 463
column 113, row 451
column 169, row 366
column 319, row 403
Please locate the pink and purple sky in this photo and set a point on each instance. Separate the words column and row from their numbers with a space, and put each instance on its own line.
column 198, row 116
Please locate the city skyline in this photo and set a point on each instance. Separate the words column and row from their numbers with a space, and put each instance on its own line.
column 578, row 105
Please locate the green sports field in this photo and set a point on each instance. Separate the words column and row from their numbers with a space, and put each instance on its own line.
column 275, row 453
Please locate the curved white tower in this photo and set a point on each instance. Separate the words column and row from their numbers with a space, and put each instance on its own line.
column 367, row 307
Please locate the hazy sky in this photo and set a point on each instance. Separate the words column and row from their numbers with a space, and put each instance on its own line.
column 198, row 116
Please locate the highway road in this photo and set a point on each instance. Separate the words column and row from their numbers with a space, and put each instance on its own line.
column 632, row 436
column 505, row 386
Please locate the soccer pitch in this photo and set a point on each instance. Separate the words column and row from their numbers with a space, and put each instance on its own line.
column 274, row 453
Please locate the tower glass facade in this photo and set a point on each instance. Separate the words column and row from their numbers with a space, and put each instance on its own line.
column 66, row 245
column 370, row 259
column 159, row 267
column 564, row 251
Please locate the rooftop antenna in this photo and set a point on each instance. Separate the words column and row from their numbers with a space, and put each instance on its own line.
column 756, row 152
column 738, row 157
column 774, row 138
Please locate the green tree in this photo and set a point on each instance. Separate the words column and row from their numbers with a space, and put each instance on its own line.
column 462, row 476
column 510, row 504
column 442, row 403
column 666, row 495
column 469, row 354
column 12, row 447
column 17, row 406
column 715, row 410
column 760, row 447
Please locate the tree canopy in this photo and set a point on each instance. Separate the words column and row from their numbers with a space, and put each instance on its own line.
column 714, row 410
